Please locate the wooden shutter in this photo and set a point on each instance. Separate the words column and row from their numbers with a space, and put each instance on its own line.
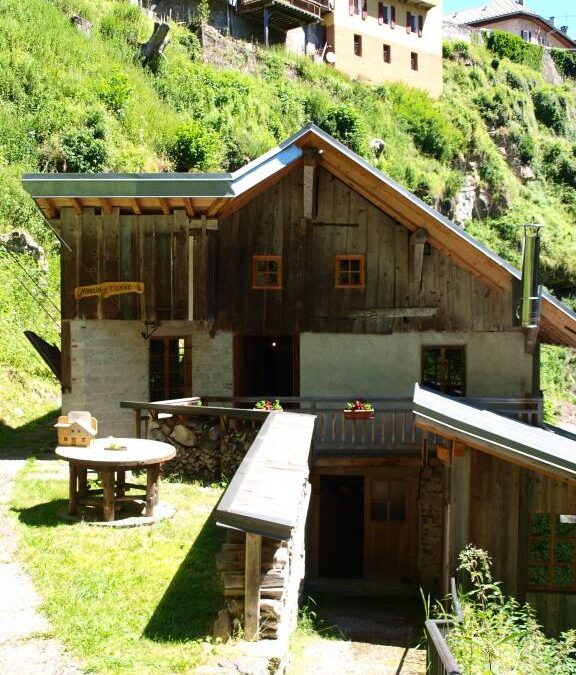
column 364, row 8
column 351, row 7
column 392, row 16
column 420, row 25
column 408, row 22
column 380, row 12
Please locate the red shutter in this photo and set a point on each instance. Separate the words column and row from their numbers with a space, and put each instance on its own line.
column 364, row 8
column 351, row 7
column 408, row 22
column 380, row 12
column 420, row 25
column 392, row 16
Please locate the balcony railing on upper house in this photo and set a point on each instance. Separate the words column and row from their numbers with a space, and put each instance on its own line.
column 286, row 14
column 391, row 431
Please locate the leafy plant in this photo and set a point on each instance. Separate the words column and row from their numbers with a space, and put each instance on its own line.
column 194, row 147
column 506, row 45
column 268, row 405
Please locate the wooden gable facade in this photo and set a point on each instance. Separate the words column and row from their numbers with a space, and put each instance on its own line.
column 312, row 251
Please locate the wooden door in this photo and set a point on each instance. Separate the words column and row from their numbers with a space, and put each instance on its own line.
column 391, row 528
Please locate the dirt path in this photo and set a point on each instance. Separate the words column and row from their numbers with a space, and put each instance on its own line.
column 26, row 643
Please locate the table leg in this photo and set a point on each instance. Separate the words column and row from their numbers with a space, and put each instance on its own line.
column 121, row 483
column 152, row 485
column 82, row 481
column 73, row 490
column 108, row 494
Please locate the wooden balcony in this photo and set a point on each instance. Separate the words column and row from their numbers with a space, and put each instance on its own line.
column 285, row 14
column 391, row 433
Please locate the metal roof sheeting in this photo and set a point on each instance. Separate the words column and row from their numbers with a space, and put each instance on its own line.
column 534, row 447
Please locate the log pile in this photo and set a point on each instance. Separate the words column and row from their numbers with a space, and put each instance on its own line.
column 205, row 449
column 281, row 580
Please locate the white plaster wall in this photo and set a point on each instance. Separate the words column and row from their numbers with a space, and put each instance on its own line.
column 389, row 365
column 109, row 364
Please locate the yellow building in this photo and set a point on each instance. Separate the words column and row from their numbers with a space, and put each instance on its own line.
column 514, row 16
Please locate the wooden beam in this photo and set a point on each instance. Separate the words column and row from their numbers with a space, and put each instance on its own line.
column 77, row 206
column 189, row 207
column 165, row 206
column 106, row 206
column 394, row 313
column 203, row 223
column 136, row 208
column 417, row 242
column 48, row 206
column 215, row 207
column 253, row 574
column 309, row 185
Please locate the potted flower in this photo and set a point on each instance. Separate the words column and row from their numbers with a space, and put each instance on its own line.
column 268, row 405
column 359, row 410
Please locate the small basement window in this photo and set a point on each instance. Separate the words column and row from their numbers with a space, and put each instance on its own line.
column 443, row 369
column 267, row 272
column 170, row 368
column 414, row 60
column 350, row 271
column 358, row 45
column 387, row 53
column 552, row 552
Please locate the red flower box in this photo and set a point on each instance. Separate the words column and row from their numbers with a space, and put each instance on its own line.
column 359, row 414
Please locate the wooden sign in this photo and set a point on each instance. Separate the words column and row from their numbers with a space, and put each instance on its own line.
column 108, row 288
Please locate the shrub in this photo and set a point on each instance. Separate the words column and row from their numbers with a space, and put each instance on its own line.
column 550, row 109
column 506, row 45
column 565, row 62
column 455, row 49
column 194, row 147
column 115, row 92
column 345, row 124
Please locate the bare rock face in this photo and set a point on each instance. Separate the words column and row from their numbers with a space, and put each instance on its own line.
column 21, row 242
column 526, row 173
column 82, row 24
column 377, row 146
column 466, row 200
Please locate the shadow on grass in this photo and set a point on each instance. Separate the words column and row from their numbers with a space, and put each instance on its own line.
column 35, row 436
column 43, row 515
column 194, row 596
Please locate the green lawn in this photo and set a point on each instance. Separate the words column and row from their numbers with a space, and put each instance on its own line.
column 137, row 600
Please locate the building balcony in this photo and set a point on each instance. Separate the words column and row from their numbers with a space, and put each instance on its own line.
column 285, row 14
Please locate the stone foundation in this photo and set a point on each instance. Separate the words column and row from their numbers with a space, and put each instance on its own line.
column 431, row 505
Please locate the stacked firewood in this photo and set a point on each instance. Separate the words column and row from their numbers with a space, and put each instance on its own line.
column 205, row 449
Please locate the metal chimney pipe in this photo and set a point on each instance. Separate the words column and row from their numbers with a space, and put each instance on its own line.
column 530, row 303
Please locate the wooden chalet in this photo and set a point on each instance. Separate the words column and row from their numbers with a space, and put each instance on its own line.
column 311, row 277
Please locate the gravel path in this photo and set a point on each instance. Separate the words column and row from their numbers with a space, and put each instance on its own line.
column 26, row 643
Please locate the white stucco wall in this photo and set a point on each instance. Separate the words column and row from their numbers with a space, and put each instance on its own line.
column 109, row 364
column 389, row 365
column 212, row 362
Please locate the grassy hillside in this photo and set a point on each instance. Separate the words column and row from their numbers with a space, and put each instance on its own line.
column 71, row 101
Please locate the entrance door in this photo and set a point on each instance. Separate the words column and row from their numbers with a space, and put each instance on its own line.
column 266, row 365
column 341, row 527
column 391, row 542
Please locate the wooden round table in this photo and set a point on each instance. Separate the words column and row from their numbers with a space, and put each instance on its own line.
column 112, row 464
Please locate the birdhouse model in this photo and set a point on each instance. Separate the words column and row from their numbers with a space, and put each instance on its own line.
column 78, row 428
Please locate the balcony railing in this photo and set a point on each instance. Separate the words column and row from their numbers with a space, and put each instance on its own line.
column 440, row 658
column 392, row 430
column 315, row 7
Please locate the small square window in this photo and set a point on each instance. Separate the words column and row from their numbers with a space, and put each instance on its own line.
column 414, row 60
column 387, row 54
column 350, row 271
column 267, row 272
column 358, row 45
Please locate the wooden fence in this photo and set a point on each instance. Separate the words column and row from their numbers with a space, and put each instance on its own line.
column 440, row 658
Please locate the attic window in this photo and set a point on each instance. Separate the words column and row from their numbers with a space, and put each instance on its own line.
column 267, row 272
column 552, row 552
column 350, row 271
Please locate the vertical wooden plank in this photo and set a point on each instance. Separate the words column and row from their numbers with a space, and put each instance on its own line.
column 70, row 262
column 460, row 505
column 253, row 574
column 127, row 265
column 66, row 356
column 89, row 257
column 181, row 265
column 401, row 270
column 201, row 275
column 164, row 266
column 110, row 261
column 148, row 269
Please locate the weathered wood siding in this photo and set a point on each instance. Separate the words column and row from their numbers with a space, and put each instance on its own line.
column 502, row 495
column 114, row 247
column 345, row 223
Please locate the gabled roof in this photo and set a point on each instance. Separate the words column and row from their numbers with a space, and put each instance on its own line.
column 500, row 10
column 543, row 450
column 220, row 195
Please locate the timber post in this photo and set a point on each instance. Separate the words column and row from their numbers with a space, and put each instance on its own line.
column 253, row 574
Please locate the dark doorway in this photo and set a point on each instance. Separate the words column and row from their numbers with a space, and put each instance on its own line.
column 341, row 539
column 266, row 365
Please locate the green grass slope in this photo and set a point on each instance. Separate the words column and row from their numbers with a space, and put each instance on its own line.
column 71, row 101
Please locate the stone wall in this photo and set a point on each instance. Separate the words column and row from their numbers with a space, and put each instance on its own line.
column 206, row 448
column 430, row 525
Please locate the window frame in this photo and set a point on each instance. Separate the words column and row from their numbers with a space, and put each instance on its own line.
column 266, row 286
column 444, row 388
column 166, row 367
column 414, row 61
column 550, row 564
column 387, row 53
column 362, row 271
column 357, row 47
